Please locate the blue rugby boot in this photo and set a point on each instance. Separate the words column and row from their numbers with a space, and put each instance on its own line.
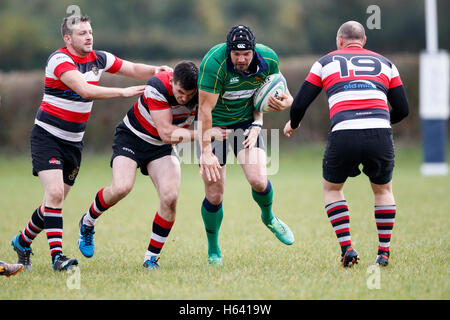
column 152, row 263
column 86, row 239
column 23, row 253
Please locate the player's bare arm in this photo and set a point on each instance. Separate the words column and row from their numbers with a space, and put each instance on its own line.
column 140, row 71
column 252, row 133
column 168, row 132
column 209, row 164
column 75, row 81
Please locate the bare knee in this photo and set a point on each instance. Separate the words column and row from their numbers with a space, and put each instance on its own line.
column 215, row 197
column 259, row 183
column 383, row 194
column 120, row 191
column 169, row 201
column 54, row 196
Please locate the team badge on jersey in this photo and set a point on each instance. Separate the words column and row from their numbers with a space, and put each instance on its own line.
column 95, row 69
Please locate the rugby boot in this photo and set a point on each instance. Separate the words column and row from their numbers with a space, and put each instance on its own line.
column 152, row 263
column 63, row 263
column 214, row 260
column 23, row 253
column 9, row 270
column 349, row 258
column 281, row 231
column 86, row 239
column 382, row 258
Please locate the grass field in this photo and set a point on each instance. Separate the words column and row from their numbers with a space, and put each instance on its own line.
column 256, row 264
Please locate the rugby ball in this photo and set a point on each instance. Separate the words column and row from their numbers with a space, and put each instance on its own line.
column 272, row 86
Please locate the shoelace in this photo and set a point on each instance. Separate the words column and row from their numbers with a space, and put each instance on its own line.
column 279, row 226
column 25, row 258
column 87, row 234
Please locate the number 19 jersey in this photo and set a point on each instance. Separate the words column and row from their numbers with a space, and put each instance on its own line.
column 356, row 82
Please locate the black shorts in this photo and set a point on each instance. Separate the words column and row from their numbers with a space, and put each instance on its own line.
column 49, row 152
column 127, row 144
column 234, row 141
column 347, row 149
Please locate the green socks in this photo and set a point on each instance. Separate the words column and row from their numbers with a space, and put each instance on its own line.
column 212, row 218
column 264, row 200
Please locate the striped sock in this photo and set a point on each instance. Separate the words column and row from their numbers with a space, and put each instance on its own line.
column 340, row 220
column 33, row 228
column 384, row 218
column 53, row 224
column 97, row 208
column 160, row 231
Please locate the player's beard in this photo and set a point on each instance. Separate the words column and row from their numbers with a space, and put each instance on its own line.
column 242, row 67
column 83, row 48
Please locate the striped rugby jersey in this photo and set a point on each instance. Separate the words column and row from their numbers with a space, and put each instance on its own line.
column 63, row 112
column 158, row 95
column 356, row 82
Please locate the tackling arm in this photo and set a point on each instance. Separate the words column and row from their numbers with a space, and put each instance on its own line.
column 168, row 132
column 75, row 81
column 140, row 71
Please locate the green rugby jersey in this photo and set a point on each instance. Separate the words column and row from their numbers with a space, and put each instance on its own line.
column 217, row 75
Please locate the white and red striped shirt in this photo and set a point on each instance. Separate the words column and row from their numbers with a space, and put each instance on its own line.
column 356, row 82
column 63, row 112
column 158, row 95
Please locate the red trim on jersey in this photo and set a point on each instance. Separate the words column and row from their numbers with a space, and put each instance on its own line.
column 395, row 82
column 353, row 50
column 63, row 67
column 144, row 123
column 91, row 56
column 116, row 65
column 58, row 84
column 162, row 222
column 55, row 84
column 314, row 79
column 78, row 117
column 358, row 104
column 153, row 104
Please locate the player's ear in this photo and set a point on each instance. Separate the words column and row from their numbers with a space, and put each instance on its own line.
column 364, row 41
column 67, row 38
